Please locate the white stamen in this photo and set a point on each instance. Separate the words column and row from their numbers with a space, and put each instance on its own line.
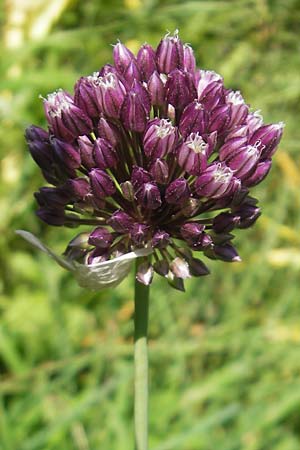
column 164, row 128
column 196, row 143
column 235, row 98
column 223, row 174
column 57, row 102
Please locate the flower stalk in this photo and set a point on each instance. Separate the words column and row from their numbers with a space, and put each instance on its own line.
column 141, row 305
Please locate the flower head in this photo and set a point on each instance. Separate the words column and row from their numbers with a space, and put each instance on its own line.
column 152, row 153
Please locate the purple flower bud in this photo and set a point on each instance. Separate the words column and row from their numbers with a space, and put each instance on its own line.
column 156, row 89
column 248, row 215
column 122, row 57
column 219, row 118
column 268, row 137
column 121, row 222
column 189, row 62
column 96, row 256
column 193, row 119
column 180, row 89
column 51, row 197
column 101, row 183
column 192, row 154
column 254, row 121
column 177, row 192
column 86, row 152
column 104, row 154
column 77, row 188
column 85, row 96
column 209, row 88
column 139, row 233
column 160, row 171
column 132, row 73
column 52, row 216
column 180, row 268
column 232, row 145
column 139, row 176
column 261, row 171
column 108, row 131
column 66, row 154
column 191, row 232
column 65, row 118
column 226, row 253
column 148, row 195
column 197, row 268
column 169, row 53
column 101, row 238
column 144, row 273
column 214, row 181
column 136, row 108
column 161, row 239
column 127, row 190
column 146, row 61
column 161, row 267
column 242, row 161
column 159, row 139
column 39, row 146
column 225, row 222
column 110, row 94
column 238, row 109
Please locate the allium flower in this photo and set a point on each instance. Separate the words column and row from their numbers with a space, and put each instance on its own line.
column 153, row 156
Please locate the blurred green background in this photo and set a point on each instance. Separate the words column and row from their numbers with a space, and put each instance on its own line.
column 225, row 356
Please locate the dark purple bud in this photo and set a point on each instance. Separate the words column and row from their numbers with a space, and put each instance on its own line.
column 268, row 138
column 66, row 119
column 189, row 62
column 193, row 120
column 121, row 222
column 109, row 131
column 101, row 183
column 104, row 154
column 192, row 231
column 214, row 181
column 127, row 190
column 145, row 273
column 52, row 216
column 177, row 192
column 209, row 88
column 192, row 155
column 161, row 239
column 96, row 256
column 180, row 268
column 180, row 89
column 139, row 176
column 139, row 233
column 85, row 96
column 219, row 118
column 170, row 53
column 159, row 139
column 225, row 222
column 100, row 237
column 160, row 171
column 39, row 146
column 161, row 267
column 261, row 171
column 176, row 283
column 197, row 268
column 226, row 253
column 248, row 215
column 52, row 197
column 86, row 152
column 66, row 154
column 157, row 89
column 148, row 195
column 146, row 61
column 136, row 108
column 132, row 73
column 241, row 161
column 77, row 188
column 238, row 109
column 110, row 95
column 122, row 57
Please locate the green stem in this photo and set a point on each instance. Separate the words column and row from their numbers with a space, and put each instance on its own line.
column 141, row 303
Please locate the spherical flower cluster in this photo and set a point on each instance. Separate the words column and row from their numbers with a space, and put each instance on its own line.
column 152, row 152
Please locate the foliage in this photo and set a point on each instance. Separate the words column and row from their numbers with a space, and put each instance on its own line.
column 224, row 356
